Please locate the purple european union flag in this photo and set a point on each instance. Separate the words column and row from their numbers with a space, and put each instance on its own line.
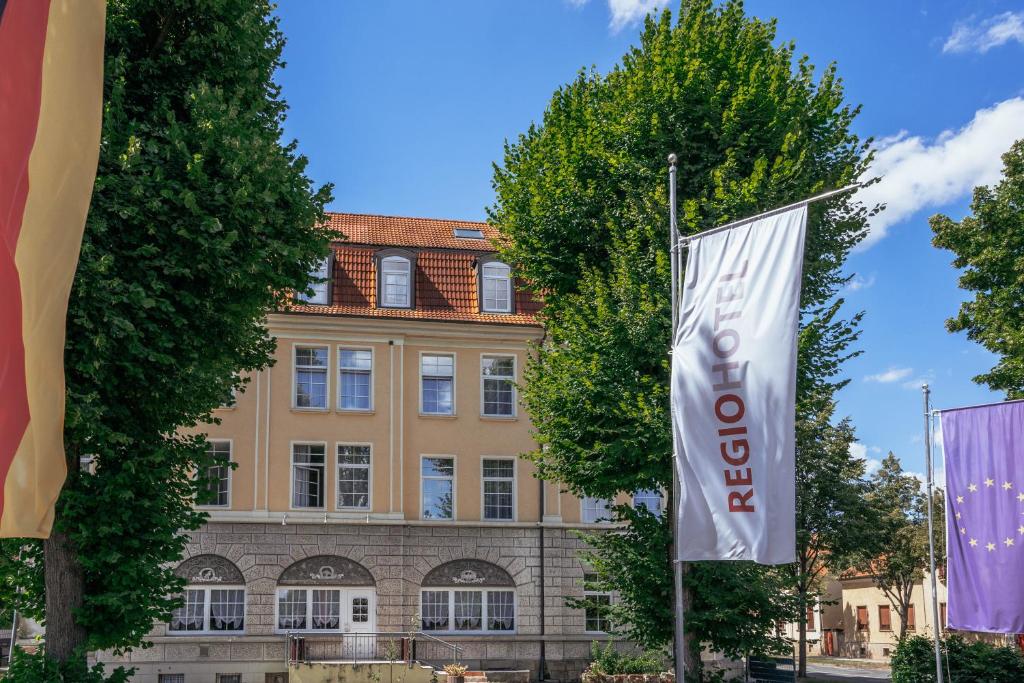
column 984, row 448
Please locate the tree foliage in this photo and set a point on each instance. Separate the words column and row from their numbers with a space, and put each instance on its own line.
column 201, row 222
column 896, row 561
column 989, row 246
column 963, row 661
column 583, row 207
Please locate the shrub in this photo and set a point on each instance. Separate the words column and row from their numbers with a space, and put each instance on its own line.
column 38, row 668
column 609, row 661
column 967, row 662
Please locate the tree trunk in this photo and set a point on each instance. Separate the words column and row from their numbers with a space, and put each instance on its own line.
column 65, row 591
column 691, row 654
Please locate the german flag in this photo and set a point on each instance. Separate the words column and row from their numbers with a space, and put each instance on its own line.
column 51, row 92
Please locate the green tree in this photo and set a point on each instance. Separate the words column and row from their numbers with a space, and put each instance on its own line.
column 896, row 562
column 832, row 521
column 201, row 223
column 582, row 203
column 896, row 553
column 989, row 247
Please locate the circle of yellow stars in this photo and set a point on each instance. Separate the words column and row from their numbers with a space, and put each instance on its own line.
column 989, row 546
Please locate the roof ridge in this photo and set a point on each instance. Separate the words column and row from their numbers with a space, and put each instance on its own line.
column 410, row 218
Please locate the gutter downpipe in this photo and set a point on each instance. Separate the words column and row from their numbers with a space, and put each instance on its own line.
column 542, row 671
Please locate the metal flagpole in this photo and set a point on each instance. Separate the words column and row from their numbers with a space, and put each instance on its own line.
column 771, row 212
column 679, row 641
column 931, row 532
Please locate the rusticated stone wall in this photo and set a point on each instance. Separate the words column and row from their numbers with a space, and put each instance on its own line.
column 395, row 559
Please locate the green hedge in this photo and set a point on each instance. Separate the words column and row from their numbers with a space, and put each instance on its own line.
column 967, row 662
column 37, row 668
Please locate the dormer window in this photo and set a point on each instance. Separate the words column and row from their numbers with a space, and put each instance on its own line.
column 320, row 283
column 495, row 287
column 395, row 285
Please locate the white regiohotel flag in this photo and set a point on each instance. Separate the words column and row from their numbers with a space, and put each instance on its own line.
column 734, row 392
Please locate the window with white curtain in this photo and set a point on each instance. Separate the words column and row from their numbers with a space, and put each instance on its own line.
column 310, row 377
column 326, row 609
column 355, row 369
column 353, row 477
column 434, row 610
column 291, row 608
column 482, row 610
column 308, row 468
column 496, row 287
column 497, row 385
column 394, row 282
column 596, row 510
column 317, row 609
column 210, row 610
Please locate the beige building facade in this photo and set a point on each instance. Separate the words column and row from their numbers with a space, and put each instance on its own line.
column 377, row 482
column 855, row 619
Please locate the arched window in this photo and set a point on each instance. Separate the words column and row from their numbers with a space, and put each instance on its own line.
column 326, row 593
column 395, row 282
column 495, row 287
column 468, row 596
column 214, row 598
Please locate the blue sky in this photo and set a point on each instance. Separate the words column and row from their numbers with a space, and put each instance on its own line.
column 405, row 106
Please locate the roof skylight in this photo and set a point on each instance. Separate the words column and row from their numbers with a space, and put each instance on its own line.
column 469, row 233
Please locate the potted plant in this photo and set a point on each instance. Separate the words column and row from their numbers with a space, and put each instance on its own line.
column 456, row 672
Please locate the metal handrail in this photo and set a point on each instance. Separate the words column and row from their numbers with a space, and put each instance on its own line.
column 364, row 646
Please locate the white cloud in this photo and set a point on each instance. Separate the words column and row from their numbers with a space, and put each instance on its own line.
column 919, row 174
column 860, row 282
column 982, row 36
column 890, row 375
column 860, row 452
column 927, row 378
column 626, row 12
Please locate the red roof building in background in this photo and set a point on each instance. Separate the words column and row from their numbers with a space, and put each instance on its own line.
column 446, row 260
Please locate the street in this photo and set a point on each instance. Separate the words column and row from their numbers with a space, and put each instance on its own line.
column 846, row 674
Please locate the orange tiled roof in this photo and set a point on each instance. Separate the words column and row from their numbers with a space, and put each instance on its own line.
column 399, row 231
column 445, row 282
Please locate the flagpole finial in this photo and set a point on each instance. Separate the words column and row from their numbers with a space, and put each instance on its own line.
column 672, row 158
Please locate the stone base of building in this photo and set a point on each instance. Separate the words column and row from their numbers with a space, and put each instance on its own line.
column 395, row 561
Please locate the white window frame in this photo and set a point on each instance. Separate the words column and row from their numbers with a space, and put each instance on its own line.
column 515, row 487
column 594, row 594
column 344, row 609
column 383, row 282
column 321, row 290
column 483, row 383
column 497, row 280
column 454, row 479
column 645, row 493
column 608, row 503
column 295, row 377
column 231, row 453
column 368, row 373
column 207, row 611
column 455, row 372
column 484, row 617
column 337, row 476
column 291, row 470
